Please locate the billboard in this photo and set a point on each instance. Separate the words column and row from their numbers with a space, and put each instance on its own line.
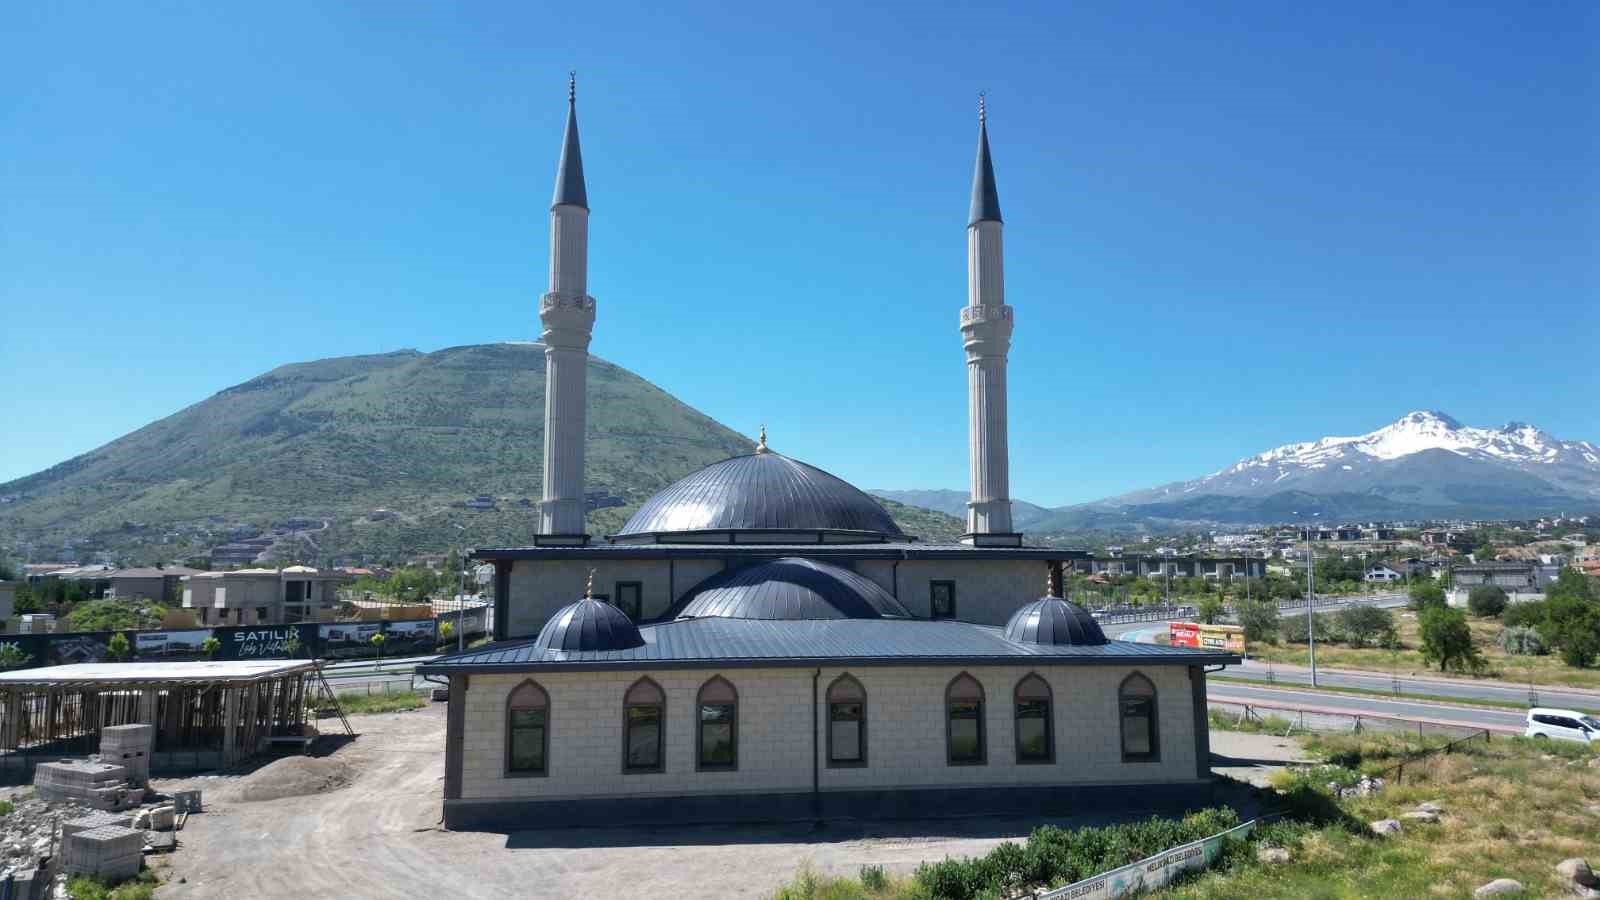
column 170, row 644
column 1227, row 638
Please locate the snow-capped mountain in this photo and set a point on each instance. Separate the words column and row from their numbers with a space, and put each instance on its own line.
column 1422, row 464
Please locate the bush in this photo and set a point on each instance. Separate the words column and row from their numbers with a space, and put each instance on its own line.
column 1425, row 592
column 1260, row 620
column 1524, row 614
column 1519, row 640
column 1579, row 639
column 1209, row 609
column 1487, row 600
column 114, row 615
column 874, row 878
column 1364, row 625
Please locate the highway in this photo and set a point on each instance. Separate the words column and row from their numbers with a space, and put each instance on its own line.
column 1505, row 721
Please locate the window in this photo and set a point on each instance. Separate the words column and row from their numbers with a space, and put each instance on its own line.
column 963, row 706
column 261, row 614
column 527, row 730
column 628, row 593
column 847, row 723
column 644, row 716
column 942, row 599
column 1137, row 700
column 1035, row 735
column 719, row 725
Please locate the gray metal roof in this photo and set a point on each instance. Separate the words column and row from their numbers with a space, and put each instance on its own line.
column 1052, row 620
column 736, row 643
column 589, row 625
column 724, row 549
column 788, row 588
column 569, row 172
column 758, row 492
column 985, row 196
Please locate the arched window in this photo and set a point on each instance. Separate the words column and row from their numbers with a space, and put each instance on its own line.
column 1137, row 701
column 1035, row 732
column 644, row 719
column 963, row 708
column 719, row 726
column 527, row 730
column 847, row 723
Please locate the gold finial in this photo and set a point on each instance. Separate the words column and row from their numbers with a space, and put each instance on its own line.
column 1049, row 581
column 982, row 114
column 572, row 85
column 588, row 589
column 761, row 445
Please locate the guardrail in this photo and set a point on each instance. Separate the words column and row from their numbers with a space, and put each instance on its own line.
column 1158, row 613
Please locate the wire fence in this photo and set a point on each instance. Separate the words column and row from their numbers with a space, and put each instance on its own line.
column 1286, row 720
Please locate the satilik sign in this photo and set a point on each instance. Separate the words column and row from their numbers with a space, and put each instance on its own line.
column 264, row 643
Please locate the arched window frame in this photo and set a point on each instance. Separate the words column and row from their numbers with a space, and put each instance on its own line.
column 1137, row 678
column 700, row 724
column 661, row 726
column 845, row 681
column 1049, row 697
column 517, row 700
column 983, row 731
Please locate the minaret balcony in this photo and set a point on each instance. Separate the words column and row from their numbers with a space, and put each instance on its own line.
column 567, row 311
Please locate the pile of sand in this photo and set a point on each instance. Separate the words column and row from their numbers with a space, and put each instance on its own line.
column 293, row 776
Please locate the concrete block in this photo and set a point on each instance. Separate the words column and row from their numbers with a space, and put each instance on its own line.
column 109, row 851
column 129, row 746
column 98, row 784
column 162, row 817
column 92, row 821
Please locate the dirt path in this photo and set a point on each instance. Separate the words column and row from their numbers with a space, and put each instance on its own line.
column 380, row 837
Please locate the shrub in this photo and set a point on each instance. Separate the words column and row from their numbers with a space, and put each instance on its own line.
column 1363, row 625
column 117, row 648
column 1524, row 614
column 1425, row 592
column 873, row 878
column 1520, row 640
column 1487, row 600
column 1260, row 620
column 114, row 615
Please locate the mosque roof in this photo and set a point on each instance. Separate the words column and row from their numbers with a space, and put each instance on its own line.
column 588, row 625
column 755, row 643
column 570, row 188
column 763, row 491
column 1052, row 620
column 789, row 588
column 985, row 196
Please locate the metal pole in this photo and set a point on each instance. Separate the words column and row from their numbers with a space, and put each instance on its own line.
column 1311, row 602
column 461, row 608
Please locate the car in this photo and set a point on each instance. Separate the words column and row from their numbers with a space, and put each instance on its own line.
column 1563, row 725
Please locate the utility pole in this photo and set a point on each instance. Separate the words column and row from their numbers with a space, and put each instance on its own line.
column 1311, row 599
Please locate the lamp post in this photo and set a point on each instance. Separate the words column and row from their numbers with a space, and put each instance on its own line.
column 1311, row 601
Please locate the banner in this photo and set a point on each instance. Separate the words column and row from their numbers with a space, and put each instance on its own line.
column 1152, row 872
column 1228, row 638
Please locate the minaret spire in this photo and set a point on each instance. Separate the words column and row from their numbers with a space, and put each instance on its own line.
column 567, row 313
column 986, row 333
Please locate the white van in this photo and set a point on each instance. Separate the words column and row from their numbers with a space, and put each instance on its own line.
column 1562, row 724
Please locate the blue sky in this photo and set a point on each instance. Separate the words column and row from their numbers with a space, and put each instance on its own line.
column 1228, row 226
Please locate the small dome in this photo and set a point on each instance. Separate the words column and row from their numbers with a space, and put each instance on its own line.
column 790, row 588
column 764, row 491
column 1052, row 620
column 589, row 625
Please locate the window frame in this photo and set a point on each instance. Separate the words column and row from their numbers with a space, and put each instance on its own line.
column 1049, row 758
column 661, row 728
column 861, row 732
column 983, row 732
column 544, row 753
column 638, row 587
column 1154, row 756
column 933, row 610
column 700, row 765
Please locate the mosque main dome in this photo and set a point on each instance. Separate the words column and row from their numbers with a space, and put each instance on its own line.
column 762, row 492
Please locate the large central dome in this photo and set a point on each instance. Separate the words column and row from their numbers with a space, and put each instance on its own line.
column 764, row 492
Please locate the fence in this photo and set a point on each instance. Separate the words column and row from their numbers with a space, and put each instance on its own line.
column 314, row 640
column 1154, row 871
column 1325, row 719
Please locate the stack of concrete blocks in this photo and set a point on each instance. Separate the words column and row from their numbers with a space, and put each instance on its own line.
column 111, row 852
column 129, row 746
column 96, row 784
column 93, row 820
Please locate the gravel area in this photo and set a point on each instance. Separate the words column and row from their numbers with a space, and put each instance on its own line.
column 379, row 836
column 1253, row 757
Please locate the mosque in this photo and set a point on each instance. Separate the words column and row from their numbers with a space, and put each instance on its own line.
column 761, row 641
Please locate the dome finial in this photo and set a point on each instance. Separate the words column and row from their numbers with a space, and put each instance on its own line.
column 761, row 445
column 572, row 86
column 588, row 589
column 982, row 114
column 1049, row 581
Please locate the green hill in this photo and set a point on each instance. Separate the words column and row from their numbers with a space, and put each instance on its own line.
column 409, row 433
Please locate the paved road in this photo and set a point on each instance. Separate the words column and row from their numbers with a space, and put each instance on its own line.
column 1502, row 691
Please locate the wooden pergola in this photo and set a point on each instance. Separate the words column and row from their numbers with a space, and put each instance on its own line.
column 206, row 714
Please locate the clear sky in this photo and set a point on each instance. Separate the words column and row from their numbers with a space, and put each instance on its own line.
column 1227, row 226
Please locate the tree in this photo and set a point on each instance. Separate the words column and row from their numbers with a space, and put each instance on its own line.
column 1578, row 636
column 12, row 656
column 1425, row 593
column 1529, row 614
column 117, row 648
column 377, row 641
column 1259, row 617
column 114, row 615
column 1364, row 625
column 1487, row 600
column 210, row 646
column 1209, row 609
column 1447, row 640
column 447, row 630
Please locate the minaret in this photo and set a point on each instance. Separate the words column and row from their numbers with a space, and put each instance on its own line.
column 567, row 313
column 986, row 334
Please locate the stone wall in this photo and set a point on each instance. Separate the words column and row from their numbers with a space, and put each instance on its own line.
column 906, row 746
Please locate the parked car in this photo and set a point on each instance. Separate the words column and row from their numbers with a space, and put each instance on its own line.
column 1562, row 724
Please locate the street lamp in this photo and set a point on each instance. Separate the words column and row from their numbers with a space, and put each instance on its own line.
column 1311, row 600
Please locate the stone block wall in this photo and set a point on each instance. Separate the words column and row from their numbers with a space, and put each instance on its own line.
column 906, row 746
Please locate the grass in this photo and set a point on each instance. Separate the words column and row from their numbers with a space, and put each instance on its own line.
column 364, row 704
column 1221, row 721
column 1518, row 705
column 1547, row 670
column 7, row 807
column 140, row 887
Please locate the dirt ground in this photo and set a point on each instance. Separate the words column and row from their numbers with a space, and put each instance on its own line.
column 380, row 837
